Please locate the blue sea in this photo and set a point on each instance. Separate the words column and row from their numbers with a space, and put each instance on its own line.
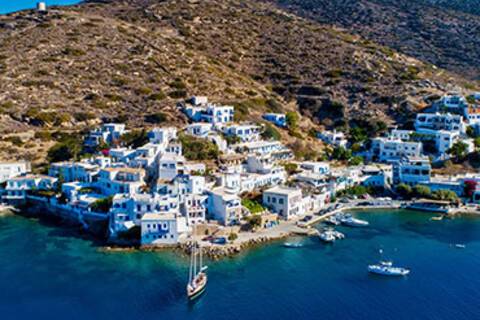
column 7, row 6
column 48, row 272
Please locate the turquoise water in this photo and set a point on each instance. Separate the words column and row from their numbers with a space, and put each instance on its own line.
column 7, row 6
column 45, row 272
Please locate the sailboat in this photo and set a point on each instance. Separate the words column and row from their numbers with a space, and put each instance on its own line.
column 197, row 277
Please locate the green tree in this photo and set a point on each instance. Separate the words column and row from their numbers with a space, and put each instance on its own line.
column 355, row 161
column 270, row 133
column 358, row 134
column 292, row 119
column 445, row 195
column 340, row 153
column 459, row 150
column 477, row 142
column 254, row 221
column 404, row 190
column 102, row 205
column 134, row 138
column 64, row 150
column 422, row 191
column 470, row 132
column 198, row 149
column 290, row 167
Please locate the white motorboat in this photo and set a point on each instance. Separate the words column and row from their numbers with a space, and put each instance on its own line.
column 460, row 246
column 333, row 221
column 353, row 222
column 293, row 244
column 327, row 236
column 386, row 268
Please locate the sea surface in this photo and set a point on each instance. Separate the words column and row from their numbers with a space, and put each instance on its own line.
column 7, row 6
column 46, row 272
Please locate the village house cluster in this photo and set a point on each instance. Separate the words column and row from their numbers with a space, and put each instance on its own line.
column 155, row 194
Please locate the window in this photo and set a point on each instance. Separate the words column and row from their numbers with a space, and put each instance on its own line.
column 280, row 200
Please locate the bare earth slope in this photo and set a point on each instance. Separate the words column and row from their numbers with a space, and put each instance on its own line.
column 131, row 59
column 441, row 32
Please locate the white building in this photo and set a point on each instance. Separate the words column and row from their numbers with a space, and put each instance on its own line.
column 278, row 119
column 388, row 148
column 439, row 121
column 114, row 181
column 74, row 171
column 225, row 206
column 108, row 133
column 245, row 132
column 377, row 176
column 207, row 112
column 412, row 170
column 162, row 229
column 10, row 170
column 452, row 100
column 18, row 187
column 316, row 167
column 199, row 129
column 333, row 138
column 286, row 202
column 162, row 136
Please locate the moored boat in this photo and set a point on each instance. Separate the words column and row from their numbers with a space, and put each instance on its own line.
column 197, row 278
column 353, row 222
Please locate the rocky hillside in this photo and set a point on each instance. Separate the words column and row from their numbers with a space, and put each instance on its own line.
column 440, row 32
column 133, row 60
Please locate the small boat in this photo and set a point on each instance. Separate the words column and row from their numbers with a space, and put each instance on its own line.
column 353, row 222
column 327, row 237
column 460, row 246
column 293, row 244
column 386, row 268
column 332, row 220
column 197, row 279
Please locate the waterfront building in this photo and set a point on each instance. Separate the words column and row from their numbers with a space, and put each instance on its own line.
column 333, row 138
column 285, row 201
column 162, row 229
column 224, row 205
column 278, row 119
column 10, row 170
column 17, row 188
column 412, row 170
column 377, row 176
column 194, row 208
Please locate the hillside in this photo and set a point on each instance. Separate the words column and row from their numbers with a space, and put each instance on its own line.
column 126, row 60
column 441, row 32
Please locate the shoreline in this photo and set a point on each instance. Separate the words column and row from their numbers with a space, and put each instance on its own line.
column 245, row 240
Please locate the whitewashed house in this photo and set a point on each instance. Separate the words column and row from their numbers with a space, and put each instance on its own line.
column 316, row 167
column 390, row 149
column 108, row 133
column 10, row 170
column 114, row 181
column 439, row 121
column 412, row 170
column 333, row 138
column 18, row 187
column 162, row 229
column 74, row 171
column 224, row 205
column 199, row 129
column 286, row 202
column 245, row 132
